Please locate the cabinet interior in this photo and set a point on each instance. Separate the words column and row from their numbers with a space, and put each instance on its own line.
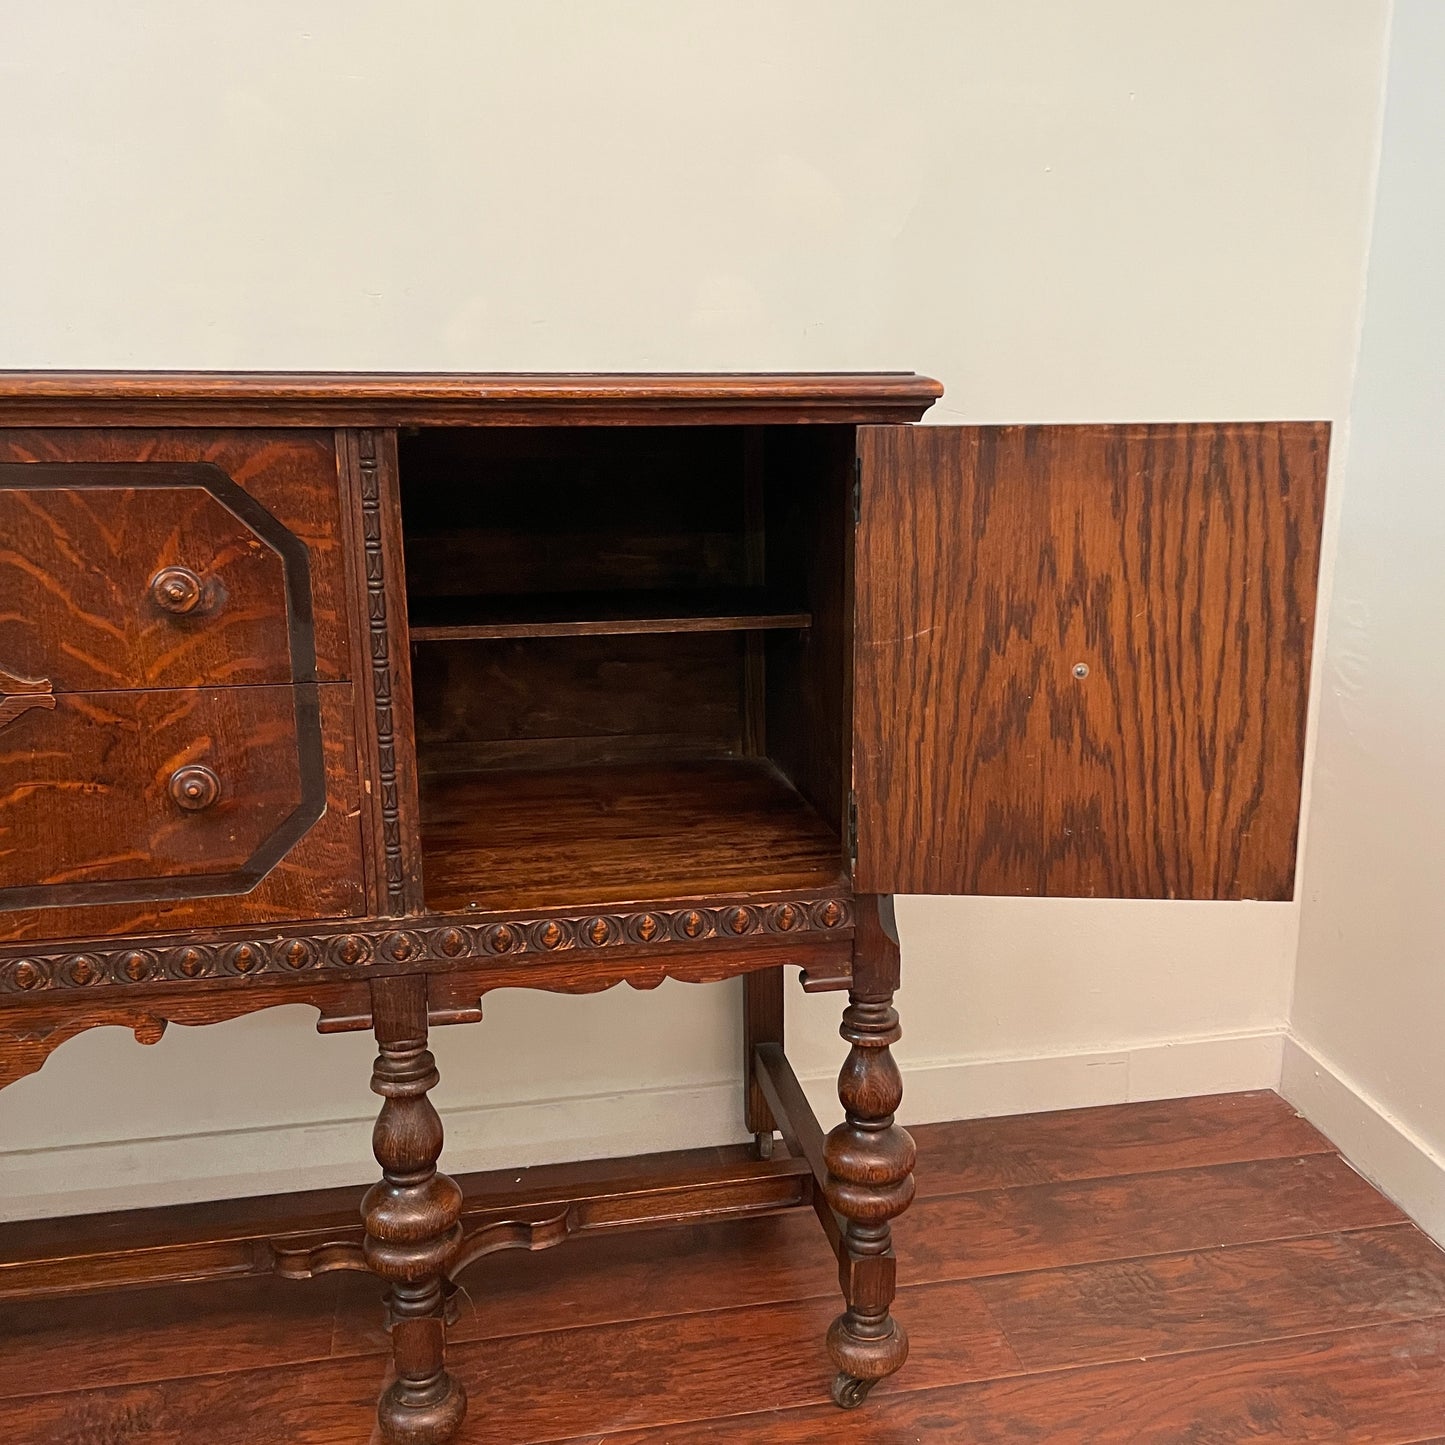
column 630, row 653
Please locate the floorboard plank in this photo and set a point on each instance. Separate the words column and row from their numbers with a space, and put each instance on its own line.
column 530, row 1388
column 228, row 1238
column 332, row 1403
column 1113, row 1139
column 643, row 1274
column 86, row 1342
column 639, row 1274
column 1141, row 1308
column 1379, row 1386
column 1200, row 1272
column 1046, row 1226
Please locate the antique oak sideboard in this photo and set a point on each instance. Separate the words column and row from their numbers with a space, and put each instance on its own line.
column 379, row 692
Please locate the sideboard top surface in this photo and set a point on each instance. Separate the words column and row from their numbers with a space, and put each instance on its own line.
column 206, row 398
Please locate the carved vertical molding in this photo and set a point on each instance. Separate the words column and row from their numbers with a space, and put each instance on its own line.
column 393, row 868
column 383, row 667
column 412, row 1220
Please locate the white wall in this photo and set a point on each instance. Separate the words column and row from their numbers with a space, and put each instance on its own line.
column 1369, row 1009
column 1125, row 209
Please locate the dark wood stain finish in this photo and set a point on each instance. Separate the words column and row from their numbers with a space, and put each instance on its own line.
column 131, row 1337
column 1369, row 1387
column 540, row 839
column 117, row 791
column 413, row 1220
column 1005, row 1231
column 1083, row 657
column 1060, row 1147
column 764, row 997
column 396, row 399
column 237, row 1238
column 1218, row 1297
column 542, row 703
column 462, row 618
column 179, row 590
column 90, row 813
column 78, row 557
column 369, row 474
column 378, row 693
column 807, row 676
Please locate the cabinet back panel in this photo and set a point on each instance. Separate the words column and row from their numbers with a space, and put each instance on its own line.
column 553, row 702
column 498, row 511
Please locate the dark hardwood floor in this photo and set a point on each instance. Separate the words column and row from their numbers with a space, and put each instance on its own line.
column 1196, row 1272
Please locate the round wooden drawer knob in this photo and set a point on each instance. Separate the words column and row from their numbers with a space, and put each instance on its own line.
column 177, row 590
column 195, row 787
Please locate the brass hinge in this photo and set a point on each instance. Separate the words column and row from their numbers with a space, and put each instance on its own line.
column 857, row 490
column 852, row 831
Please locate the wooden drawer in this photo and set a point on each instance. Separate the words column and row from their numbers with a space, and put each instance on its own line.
column 172, row 618
column 217, row 804
column 169, row 559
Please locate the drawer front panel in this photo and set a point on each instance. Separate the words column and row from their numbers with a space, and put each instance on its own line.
column 162, row 808
column 138, row 577
column 169, row 560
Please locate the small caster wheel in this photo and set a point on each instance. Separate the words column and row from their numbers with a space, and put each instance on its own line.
column 849, row 1391
column 763, row 1143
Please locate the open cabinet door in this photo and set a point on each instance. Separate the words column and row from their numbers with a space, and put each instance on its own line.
column 1081, row 657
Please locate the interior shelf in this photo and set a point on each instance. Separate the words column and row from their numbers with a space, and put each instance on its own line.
column 441, row 619
column 630, row 683
column 589, row 836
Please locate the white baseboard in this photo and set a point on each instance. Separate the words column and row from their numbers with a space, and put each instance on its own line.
column 985, row 1088
column 1387, row 1152
column 181, row 1169
column 41, row 1183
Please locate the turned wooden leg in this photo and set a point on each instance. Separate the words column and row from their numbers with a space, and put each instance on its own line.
column 870, row 1164
column 762, row 1024
column 411, row 1219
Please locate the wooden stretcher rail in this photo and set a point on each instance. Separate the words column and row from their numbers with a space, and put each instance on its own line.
column 317, row 1231
column 799, row 1127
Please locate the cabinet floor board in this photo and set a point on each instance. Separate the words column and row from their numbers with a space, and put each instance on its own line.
column 574, row 837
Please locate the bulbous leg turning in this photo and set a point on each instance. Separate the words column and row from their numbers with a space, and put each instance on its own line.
column 412, row 1222
column 412, row 1416
column 870, row 1179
